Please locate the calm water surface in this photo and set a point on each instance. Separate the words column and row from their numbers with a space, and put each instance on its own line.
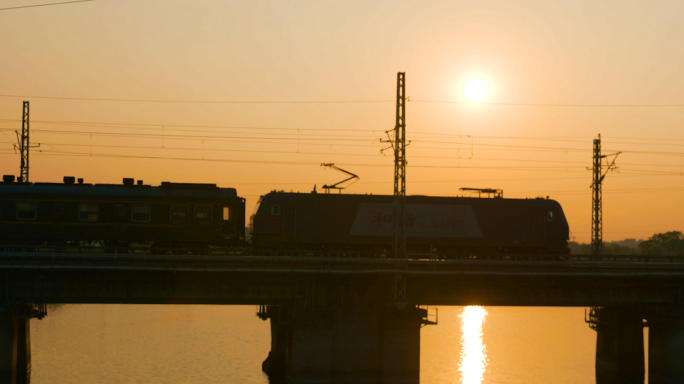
column 226, row 344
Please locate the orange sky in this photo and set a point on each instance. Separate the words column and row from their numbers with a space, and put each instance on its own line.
column 539, row 52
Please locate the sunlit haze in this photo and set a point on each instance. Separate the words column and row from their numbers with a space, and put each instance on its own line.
column 256, row 95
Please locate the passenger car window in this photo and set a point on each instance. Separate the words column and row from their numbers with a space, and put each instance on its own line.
column 203, row 214
column 275, row 210
column 87, row 212
column 551, row 216
column 141, row 213
column 119, row 210
column 58, row 208
column 179, row 213
column 226, row 213
column 26, row 210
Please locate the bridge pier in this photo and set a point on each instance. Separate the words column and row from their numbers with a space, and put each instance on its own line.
column 309, row 349
column 274, row 364
column 23, row 350
column 8, row 348
column 15, row 349
column 361, row 344
column 619, row 346
column 666, row 351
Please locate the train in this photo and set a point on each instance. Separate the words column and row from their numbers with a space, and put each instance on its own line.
column 444, row 226
column 185, row 215
column 171, row 215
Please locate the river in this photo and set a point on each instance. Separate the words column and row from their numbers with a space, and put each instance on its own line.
column 226, row 344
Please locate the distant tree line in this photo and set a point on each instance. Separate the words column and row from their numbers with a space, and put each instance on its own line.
column 661, row 244
column 664, row 244
column 609, row 248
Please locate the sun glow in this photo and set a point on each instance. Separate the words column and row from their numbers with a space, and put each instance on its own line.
column 475, row 89
column 473, row 352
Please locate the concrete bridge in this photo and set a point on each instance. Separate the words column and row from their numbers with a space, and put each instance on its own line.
column 357, row 320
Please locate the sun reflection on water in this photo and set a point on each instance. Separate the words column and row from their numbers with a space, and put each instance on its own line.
column 473, row 352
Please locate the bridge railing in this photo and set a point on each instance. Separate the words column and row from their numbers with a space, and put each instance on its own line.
column 97, row 252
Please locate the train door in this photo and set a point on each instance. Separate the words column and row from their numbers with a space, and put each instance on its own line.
column 225, row 219
column 232, row 219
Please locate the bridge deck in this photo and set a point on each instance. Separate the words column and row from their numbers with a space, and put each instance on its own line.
column 521, row 266
column 36, row 276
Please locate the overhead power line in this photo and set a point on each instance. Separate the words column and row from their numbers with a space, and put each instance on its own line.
column 44, row 5
column 193, row 137
column 86, row 154
column 200, row 101
column 587, row 191
column 296, row 135
column 548, row 104
column 627, row 172
column 414, row 181
column 292, row 131
column 517, row 168
column 333, row 101
column 172, row 128
column 572, row 164
column 328, row 140
column 297, row 131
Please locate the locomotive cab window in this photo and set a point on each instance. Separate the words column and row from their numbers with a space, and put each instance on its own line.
column 58, row 208
column 119, row 210
column 87, row 212
column 179, row 213
column 551, row 216
column 275, row 210
column 226, row 213
column 26, row 210
column 141, row 213
column 203, row 214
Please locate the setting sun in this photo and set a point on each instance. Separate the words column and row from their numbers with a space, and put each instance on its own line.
column 475, row 89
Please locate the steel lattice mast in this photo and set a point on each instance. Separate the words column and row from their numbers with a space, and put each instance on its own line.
column 24, row 144
column 596, row 206
column 400, row 169
column 597, row 197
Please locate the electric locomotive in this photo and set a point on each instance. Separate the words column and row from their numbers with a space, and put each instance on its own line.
column 448, row 226
column 171, row 215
